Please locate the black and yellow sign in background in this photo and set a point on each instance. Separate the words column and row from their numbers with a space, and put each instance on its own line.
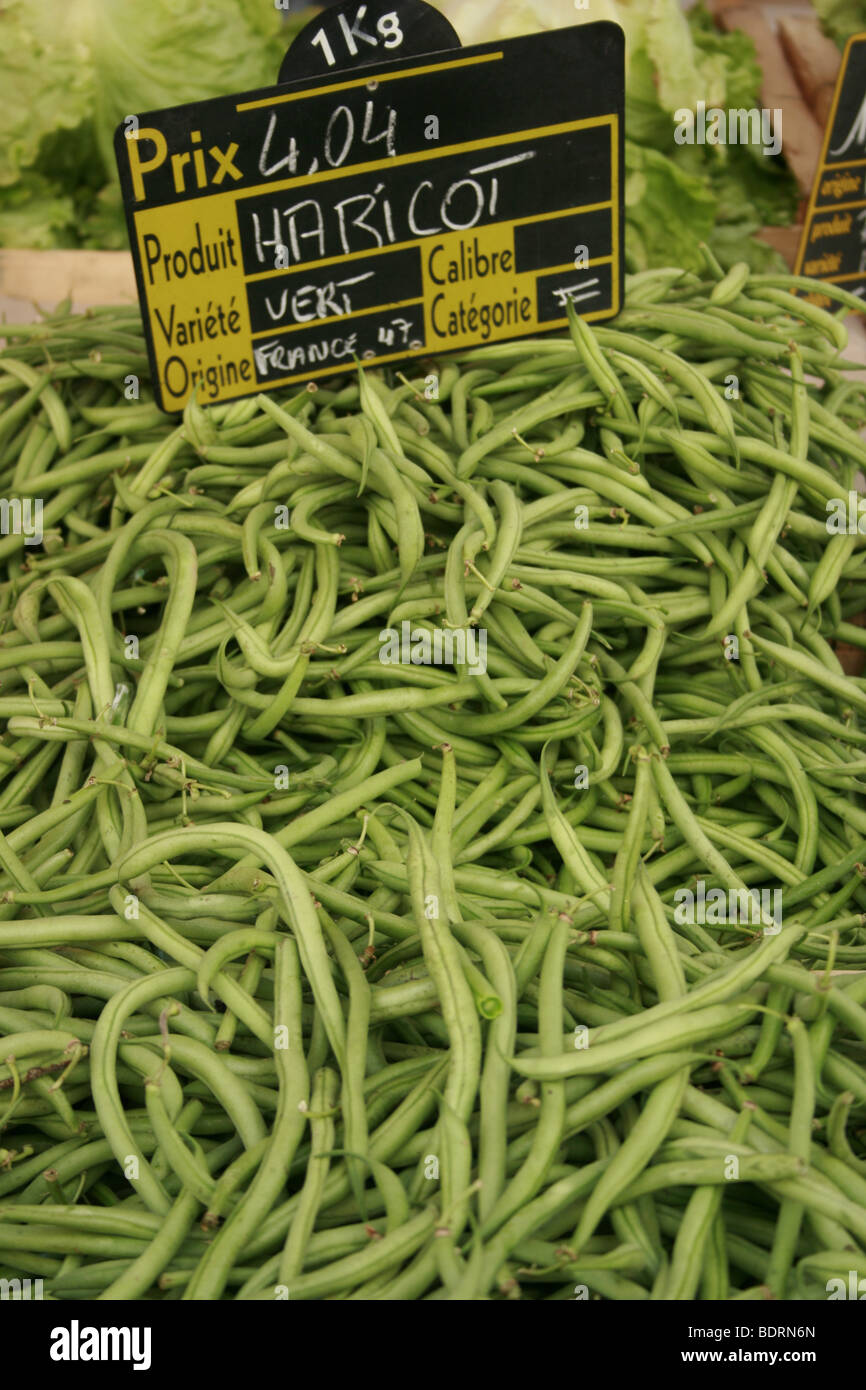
column 833, row 246
column 412, row 207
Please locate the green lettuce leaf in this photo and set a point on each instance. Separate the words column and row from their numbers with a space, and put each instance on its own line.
column 731, row 242
column 684, row 73
column 736, row 52
column 45, row 81
column 667, row 211
column 70, row 70
column 36, row 214
column 841, row 18
column 165, row 52
column 103, row 227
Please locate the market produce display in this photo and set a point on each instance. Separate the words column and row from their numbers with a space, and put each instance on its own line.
column 330, row 969
column 58, row 180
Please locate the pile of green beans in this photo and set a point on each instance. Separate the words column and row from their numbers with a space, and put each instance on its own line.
column 324, row 977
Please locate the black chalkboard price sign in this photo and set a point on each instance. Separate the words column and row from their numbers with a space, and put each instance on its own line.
column 389, row 204
column 833, row 246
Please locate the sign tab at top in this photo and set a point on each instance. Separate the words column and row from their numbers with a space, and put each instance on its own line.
column 354, row 35
column 379, row 203
column 833, row 244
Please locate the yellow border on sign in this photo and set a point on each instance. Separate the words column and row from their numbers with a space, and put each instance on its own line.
column 367, row 81
column 615, row 302
column 839, row 207
column 550, row 326
column 407, row 355
column 609, row 119
column 849, row 275
column 421, row 157
column 822, row 163
column 336, row 318
column 418, row 241
column 408, row 303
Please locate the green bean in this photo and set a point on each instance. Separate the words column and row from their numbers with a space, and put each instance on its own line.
column 445, row 968
column 212, row 1272
column 351, row 1094
column 382, row 1254
column 802, row 1113
column 695, row 1231
column 715, row 1021
column 323, row 1098
column 547, row 1135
